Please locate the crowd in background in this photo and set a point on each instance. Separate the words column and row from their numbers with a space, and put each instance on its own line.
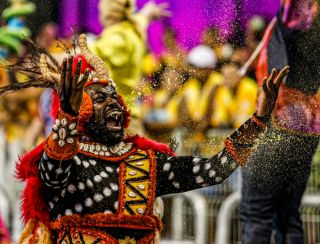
column 181, row 93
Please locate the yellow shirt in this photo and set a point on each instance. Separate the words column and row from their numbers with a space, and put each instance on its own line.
column 197, row 96
column 122, row 48
column 234, row 109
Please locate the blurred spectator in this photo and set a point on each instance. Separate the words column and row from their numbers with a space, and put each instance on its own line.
column 201, row 61
column 234, row 100
column 122, row 43
column 160, row 114
column 4, row 233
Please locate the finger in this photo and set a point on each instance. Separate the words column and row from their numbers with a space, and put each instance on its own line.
column 84, row 78
column 264, row 85
column 270, row 79
column 283, row 73
column 69, row 76
column 62, row 91
column 77, row 72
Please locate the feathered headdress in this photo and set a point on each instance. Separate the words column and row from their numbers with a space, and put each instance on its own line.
column 44, row 71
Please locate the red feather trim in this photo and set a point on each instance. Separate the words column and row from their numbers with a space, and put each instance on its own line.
column 145, row 144
column 33, row 203
column 28, row 164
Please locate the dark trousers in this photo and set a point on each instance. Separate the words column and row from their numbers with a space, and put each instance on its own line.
column 273, row 184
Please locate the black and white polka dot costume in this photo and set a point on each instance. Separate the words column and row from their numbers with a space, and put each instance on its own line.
column 121, row 182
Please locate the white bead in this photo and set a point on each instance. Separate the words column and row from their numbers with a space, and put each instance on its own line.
column 92, row 162
column 199, row 179
column 212, row 173
column 171, row 176
column 132, row 173
column 77, row 160
column 141, row 187
column 131, row 156
column 207, row 166
column 224, row 160
column 131, row 194
column 91, row 148
column 97, row 178
column 71, row 188
column 64, row 122
column 63, row 193
column 68, row 212
column 176, row 184
column 61, row 143
column 98, row 148
column 107, row 192
column 140, row 210
column 72, row 126
column 55, row 127
column 103, row 174
column 114, row 186
column 89, row 183
column 70, row 140
column 166, row 167
column 81, row 146
column 54, row 136
column 196, row 169
column 59, row 171
column 85, row 164
column 50, row 166
column 86, row 147
column 109, row 169
column 62, row 133
column 57, row 122
column 139, row 163
column 78, row 207
column 88, row 202
column 101, row 153
column 51, row 205
column 98, row 197
column 81, row 186
column 196, row 160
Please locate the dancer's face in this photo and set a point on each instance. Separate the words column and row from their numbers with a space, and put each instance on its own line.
column 106, row 124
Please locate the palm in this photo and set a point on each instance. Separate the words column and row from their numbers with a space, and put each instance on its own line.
column 71, row 87
column 268, row 93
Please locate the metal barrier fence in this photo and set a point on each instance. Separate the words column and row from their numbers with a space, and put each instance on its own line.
column 223, row 221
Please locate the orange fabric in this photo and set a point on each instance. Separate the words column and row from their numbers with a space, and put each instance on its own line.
column 140, row 222
column 86, row 111
column 52, row 148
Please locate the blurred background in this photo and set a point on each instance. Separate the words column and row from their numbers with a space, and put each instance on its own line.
column 189, row 89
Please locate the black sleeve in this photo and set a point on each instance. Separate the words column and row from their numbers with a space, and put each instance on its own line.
column 180, row 174
column 54, row 173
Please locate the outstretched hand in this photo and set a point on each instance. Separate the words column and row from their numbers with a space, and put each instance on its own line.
column 268, row 93
column 154, row 11
column 71, row 87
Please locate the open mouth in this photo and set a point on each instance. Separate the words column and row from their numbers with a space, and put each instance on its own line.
column 114, row 121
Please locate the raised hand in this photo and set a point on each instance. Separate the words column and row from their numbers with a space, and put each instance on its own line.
column 268, row 93
column 153, row 11
column 71, row 87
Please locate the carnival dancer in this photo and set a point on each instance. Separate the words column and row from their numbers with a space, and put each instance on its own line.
column 88, row 183
column 274, row 182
